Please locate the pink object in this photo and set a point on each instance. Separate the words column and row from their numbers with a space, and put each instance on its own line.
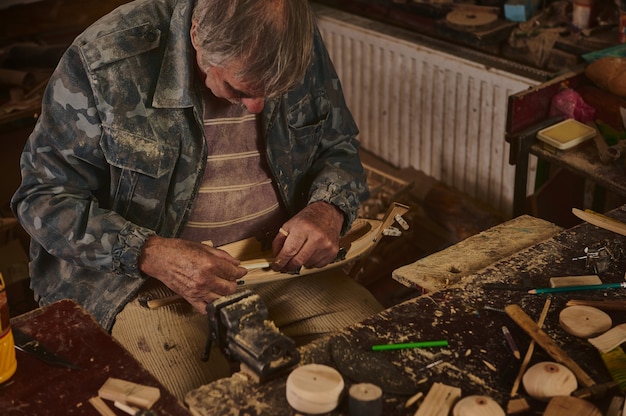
column 569, row 104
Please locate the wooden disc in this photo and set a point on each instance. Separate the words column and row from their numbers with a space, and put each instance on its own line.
column 470, row 19
column 547, row 379
column 314, row 389
column 568, row 406
column 584, row 321
column 477, row 406
column 366, row 399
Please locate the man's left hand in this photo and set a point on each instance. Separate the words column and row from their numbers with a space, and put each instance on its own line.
column 309, row 239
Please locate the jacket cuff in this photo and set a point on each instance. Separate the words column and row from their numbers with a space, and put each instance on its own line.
column 346, row 202
column 126, row 253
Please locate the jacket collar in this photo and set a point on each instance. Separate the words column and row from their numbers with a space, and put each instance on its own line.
column 175, row 85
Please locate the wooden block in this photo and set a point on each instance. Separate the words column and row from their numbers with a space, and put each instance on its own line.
column 575, row 281
column 516, row 406
column 448, row 266
column 567, row 406
column 101, row 406
column 129, row 393
column 439, row 400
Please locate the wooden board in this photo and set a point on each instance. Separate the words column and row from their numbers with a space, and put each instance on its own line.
column 449, row 266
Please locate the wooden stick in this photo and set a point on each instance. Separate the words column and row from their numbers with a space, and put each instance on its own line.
column 531, row 349
column 601, row 220
column 544, row 341
column 607, row 305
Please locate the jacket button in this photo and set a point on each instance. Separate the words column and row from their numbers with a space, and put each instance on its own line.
column 150, row 35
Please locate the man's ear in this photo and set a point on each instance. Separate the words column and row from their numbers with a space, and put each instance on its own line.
column 192, row 33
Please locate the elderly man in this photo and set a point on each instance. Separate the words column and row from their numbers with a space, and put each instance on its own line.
column 172, row 122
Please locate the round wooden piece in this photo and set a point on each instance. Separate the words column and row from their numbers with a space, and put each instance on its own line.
column 314, row 389
column 470, row 20
column 366, row 399
column 561, row 405
column 584, row 321
column 477, row 406
column 547, row 379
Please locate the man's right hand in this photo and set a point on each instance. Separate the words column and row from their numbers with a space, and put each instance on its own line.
column 197, row 272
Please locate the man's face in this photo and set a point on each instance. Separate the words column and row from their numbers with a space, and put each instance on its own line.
column 223, row 84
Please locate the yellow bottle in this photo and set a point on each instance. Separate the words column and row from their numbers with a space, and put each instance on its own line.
column 8, row 362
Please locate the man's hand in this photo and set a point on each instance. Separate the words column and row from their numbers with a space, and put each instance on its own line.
column 197, row 272
column 312, row 238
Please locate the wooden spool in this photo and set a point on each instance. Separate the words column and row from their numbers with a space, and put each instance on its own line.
column 547, row 379
column 366, row 399
column 314, row 389
column 477, row 406
column 471, row 20
column 584, row 321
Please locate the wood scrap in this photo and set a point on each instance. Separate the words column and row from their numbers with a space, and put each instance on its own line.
column 567, row 406
column 439, row 400
column 605, row 305
column 610, row 339
column 101, row 406
column 129, row 393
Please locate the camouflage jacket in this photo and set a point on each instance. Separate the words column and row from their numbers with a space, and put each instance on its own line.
column 118, row 153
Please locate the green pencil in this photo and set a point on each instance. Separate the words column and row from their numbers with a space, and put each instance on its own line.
column 405, row 345
column 578, row 288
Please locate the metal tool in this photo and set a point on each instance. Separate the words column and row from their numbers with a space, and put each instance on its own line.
column 239, row 324
column 29, row 345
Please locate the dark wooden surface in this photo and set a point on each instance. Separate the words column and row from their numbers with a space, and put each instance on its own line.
column 477, row 359
column 67, row 329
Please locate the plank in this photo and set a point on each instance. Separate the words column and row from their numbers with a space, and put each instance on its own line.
column 449, row 266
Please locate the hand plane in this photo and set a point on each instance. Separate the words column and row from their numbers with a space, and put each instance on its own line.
column 240, row 326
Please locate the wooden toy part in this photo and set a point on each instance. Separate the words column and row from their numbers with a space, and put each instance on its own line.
column 547, row 379
column 477, row 406
column 568, row 406
column 584, row 321
column 439, row 400
column 365, row 399
column 314, row 389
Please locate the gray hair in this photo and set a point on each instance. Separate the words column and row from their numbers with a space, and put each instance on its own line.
column 274, row 38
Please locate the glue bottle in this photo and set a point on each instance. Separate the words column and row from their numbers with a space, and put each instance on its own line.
column 8, row 362
column 583, row 14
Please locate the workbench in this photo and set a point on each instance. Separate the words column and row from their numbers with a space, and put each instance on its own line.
column 41, row 389
column 468, row 314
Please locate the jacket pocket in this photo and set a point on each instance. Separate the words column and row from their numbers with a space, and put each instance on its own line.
column 140, row 175
column 308, row 116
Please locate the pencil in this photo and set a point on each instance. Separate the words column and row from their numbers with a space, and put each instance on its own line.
column 578, row 288
column 511, row 342
column 405, row 345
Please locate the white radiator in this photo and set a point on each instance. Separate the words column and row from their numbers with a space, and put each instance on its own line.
column 419, row 107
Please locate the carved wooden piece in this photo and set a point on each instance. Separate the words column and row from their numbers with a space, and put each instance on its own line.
column 568, row 406
column 314, row 389
column 584, row 321
column 477, row 406
column 546, row 379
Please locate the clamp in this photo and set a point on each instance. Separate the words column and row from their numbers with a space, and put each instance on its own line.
column 239, row 324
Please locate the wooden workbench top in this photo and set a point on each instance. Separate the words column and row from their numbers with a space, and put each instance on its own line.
column 477, row 360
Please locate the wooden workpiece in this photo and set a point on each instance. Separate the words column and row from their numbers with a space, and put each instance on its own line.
column 449, row 266
column 469, row 315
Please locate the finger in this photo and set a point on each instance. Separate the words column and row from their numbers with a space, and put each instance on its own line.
column 279, row 241
column 222, row 255
column 285, row 259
